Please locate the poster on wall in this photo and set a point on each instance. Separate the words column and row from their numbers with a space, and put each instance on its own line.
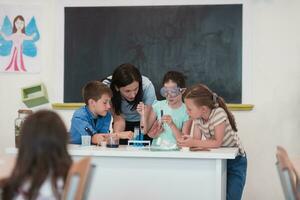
column 20, row 39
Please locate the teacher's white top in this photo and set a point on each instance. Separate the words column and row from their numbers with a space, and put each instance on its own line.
column 125, row 151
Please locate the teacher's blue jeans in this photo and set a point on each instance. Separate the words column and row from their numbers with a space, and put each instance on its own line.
column 236, row 177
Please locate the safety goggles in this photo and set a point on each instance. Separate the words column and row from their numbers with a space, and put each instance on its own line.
column 171, row 92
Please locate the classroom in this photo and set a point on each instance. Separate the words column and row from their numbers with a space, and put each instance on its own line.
column 270, row 75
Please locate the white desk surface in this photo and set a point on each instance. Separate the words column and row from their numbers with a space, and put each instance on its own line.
column 136, row 173
column 124, row 151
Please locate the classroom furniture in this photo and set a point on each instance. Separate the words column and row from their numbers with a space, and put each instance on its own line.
column 129, row 173
column 34, row 95
column 78, row 179
column 288, row 175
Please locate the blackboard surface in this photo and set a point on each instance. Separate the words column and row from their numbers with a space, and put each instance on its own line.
column 202, row 41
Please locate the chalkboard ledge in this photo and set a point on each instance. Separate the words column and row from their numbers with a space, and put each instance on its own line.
column 73, row 106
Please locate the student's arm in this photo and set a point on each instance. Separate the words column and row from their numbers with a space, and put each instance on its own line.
column 78, row 125
column 186, row 128
column 177, row 133
column 215, row 142
column 196, row 132
column 98, row 137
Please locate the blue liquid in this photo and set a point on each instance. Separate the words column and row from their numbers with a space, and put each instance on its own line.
column 139, row 137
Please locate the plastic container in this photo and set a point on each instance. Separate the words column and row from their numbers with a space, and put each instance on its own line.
column 86, row 140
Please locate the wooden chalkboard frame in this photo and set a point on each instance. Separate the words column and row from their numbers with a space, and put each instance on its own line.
column 246, row 55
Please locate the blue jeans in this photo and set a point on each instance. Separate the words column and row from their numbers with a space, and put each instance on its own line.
column 236, row 177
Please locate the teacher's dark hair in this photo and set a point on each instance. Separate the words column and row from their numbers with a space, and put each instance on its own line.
column 124, row 75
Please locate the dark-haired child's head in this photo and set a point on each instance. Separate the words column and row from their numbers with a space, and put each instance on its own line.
column 42, row 153
column 173, row 87
column 176, row 77
column 97, row 97
column 44, row 138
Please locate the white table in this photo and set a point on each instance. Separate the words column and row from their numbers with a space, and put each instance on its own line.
column 124, row 173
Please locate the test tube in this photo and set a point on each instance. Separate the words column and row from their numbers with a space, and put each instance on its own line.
column 111, row 125
column 142, row 121
column 161, row 115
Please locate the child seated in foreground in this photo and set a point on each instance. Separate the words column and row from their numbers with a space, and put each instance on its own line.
column 42, row 162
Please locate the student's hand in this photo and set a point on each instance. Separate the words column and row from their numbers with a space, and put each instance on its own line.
column 186, row 141
column 155, row 130
column 168, row 120
column 97, row 138
column 125, row 134
column 140, row 108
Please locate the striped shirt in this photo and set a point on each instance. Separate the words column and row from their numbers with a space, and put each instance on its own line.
column 217, row 116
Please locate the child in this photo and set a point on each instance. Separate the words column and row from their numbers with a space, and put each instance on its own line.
column 42, row 162
column 94, row 118
column 168, row 117
column 213, row 122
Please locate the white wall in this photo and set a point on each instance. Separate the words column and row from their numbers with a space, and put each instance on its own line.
column 274, row 78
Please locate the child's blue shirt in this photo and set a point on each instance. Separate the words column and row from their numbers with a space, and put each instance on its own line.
column 83, row 118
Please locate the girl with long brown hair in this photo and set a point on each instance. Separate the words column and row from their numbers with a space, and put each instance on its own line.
column 43, row 162
column 214, row 126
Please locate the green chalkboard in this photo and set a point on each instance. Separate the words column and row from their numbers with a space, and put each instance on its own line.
column 202, row 41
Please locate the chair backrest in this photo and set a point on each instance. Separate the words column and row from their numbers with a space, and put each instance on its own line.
column 288, row 175
column 78, row 180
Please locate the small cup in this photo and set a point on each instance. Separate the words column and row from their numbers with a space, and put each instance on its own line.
column 103, row 144
column 85, row 140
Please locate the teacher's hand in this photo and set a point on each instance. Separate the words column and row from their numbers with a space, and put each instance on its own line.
column 140, row 108
column 155, row 130
column 125, row 134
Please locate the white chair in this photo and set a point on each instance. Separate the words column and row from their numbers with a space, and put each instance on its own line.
column 289, row 177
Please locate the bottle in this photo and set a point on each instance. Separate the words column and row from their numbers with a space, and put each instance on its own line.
column 22, row 114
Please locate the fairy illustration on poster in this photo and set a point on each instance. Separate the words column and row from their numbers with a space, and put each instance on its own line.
column 18, row 44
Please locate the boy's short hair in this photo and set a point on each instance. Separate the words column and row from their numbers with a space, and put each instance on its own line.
column 94, row 90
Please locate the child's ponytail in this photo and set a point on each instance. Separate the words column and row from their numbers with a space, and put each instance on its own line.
column 202, row 95
column 230, row 116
